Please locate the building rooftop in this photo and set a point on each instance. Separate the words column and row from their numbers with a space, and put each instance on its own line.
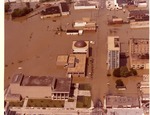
column 62, row 59
column 62, row 85
column 83, row 3
column 125, row 111
column 17, row 78
column 121, row 2
column 80, row 44
column 51, row 10
column 37, row 81
column 139, row 15
column 64, row 7
column 57, row 84
column 80, row 61
column 113, row 43
column 121, row 101
column 139, row 50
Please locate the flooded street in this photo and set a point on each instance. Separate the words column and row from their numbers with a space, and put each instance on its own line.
column 30, row 44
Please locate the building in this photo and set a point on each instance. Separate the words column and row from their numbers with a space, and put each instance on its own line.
column 118, row 101
column 23, row 86
column 80, row 47
column 78, row 5
column 121, row 2
column 139, row 15
column 113, row 53
column 62, row 60
column 78, row 65
column 139, row 53
column 74, row 32
column 64, row 8
column 140, row 3
column 85, row 25
column 144, row 88
column 52, row 11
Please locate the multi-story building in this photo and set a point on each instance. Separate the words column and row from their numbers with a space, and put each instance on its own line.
column 139, row 53
column 113, row 53
column 23, row 86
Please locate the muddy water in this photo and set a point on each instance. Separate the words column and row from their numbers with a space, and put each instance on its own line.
column 32, row 45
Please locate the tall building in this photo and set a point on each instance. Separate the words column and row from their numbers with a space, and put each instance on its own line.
column 113, row 53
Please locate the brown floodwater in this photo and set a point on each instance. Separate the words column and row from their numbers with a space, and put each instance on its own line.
column 30, row 44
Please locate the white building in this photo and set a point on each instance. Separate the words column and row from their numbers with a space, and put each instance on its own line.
column 113, row 53
column 78, row 5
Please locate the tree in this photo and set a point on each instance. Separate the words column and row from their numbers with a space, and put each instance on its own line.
column 124, row 72
column 116, row 72
column 133, row 71
column 119, row 82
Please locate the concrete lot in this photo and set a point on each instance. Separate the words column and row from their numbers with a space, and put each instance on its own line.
column 30, row 44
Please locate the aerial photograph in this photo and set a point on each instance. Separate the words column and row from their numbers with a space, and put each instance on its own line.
column 76, row 57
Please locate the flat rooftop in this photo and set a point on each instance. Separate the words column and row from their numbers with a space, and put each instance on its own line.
column 37, row 81
column 17, row 78
column 83, row 3
column 139, row 50
column 62, row 59
column 113, row 43
column 58, row 84
column 80, row 63
column 62, row 85
column 64, row 7
column 51, row 10
column 120, row 101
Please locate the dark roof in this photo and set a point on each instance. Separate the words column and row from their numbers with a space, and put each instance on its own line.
column 120, row 2
column 139, row 14
column 80, row 43
column 37, row 81
column 51, row 10
column 62, row 85
column 64, row 7
column 70, row 31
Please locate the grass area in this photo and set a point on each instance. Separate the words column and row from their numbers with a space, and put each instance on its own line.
column 45, row 103
column 83, row 102
column 70, row 100
column 16, row 104
column 84, row 87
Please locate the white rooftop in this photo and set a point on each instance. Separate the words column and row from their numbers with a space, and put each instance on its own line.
column 113, row 44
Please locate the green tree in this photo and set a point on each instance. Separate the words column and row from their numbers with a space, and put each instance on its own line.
column 124, row 72
column 119, row 82
column 116, row 72
column 133, row 71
